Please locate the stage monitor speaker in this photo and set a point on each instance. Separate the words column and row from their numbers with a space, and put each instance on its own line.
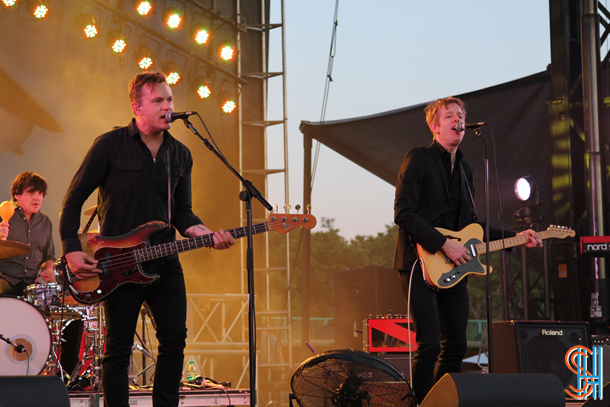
column 33, row 391
column 537, row 347
column 497, row 390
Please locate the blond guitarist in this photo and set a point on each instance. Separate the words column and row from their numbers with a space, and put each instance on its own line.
column 435, row 188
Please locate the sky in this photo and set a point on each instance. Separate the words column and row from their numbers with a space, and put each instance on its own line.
column 389, row 54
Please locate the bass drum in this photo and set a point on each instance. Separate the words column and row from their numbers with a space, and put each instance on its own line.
column 23, row 324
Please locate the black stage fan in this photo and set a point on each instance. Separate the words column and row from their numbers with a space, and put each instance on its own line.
column 349, row 378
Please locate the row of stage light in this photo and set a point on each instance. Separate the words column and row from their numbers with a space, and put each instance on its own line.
column 143, row 55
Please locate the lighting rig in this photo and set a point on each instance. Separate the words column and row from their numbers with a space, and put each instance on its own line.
column 196, row 33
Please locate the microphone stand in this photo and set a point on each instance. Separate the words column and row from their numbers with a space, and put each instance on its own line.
column 246, row 196
column 477, row 132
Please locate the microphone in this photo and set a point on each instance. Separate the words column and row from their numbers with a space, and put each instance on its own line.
column 463, row 126
column 171, row 116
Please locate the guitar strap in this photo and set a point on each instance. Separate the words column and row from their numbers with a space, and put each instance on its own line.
column 469, row 190
column 169, row 189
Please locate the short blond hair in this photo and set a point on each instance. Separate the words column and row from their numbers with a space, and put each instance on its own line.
column 432, row 109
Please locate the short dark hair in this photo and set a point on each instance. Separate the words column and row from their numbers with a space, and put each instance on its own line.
column 142, row 79
column 29, row 179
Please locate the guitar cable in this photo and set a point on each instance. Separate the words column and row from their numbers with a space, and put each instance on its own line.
column 409, row 321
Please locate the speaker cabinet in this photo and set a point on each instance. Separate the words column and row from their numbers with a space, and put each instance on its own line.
column 537, row 347
column 33, row 391
column 497, row 390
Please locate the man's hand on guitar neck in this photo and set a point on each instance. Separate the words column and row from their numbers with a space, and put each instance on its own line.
column 222, row 239
column 82, row 265
column 456, row 252
column 534, row 240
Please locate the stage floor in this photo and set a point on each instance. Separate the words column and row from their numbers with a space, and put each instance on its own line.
column 191, row 398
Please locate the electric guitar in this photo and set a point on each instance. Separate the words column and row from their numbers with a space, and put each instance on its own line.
column 440, row 272
column 120, row 257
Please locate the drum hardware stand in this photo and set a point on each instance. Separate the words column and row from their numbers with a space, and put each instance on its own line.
column 92, row 353
column 55, row 367
column 141, row 346
column 145, row 354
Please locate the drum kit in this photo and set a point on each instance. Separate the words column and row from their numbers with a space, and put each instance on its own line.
column 46, row 332
column 34, row 325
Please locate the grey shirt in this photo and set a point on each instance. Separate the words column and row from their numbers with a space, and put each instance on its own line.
column 38, row 235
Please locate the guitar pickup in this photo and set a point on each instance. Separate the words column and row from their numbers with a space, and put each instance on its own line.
column 473, row 250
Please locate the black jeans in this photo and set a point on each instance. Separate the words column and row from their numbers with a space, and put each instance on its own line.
column 440, row 319
column 7, row 288
column 167, row 301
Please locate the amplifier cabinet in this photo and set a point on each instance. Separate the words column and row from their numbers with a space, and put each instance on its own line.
column 388, row 335
column 537, row 347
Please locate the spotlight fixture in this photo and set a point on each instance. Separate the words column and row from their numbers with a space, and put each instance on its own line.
column 144, row 8
column 526, row 190
column 172, row 72
column 226, row 50
column 144, row 57
column 200, row 34
column 173, row 18
column 37, row 8
column 8, row 3
column 88, row 26
column 202, row 87
column 227, row 102
column 116, row 41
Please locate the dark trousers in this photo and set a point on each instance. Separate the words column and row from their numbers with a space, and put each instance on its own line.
column 166, row 299
column 440, row 319
column 7, row 288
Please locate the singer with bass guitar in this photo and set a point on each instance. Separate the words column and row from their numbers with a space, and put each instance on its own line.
column 435, row 189
column 143, row 175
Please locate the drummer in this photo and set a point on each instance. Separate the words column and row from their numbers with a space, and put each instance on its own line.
column 31, row 227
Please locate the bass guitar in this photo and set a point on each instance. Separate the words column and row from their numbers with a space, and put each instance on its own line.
column 120, row 257
column 440, row 272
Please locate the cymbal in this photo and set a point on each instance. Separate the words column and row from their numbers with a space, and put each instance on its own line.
column 8, row 248
column 89, row 211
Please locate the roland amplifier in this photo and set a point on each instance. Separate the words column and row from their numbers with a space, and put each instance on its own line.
column 537, row 347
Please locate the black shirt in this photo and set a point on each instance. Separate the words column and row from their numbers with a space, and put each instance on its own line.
column 450, row 219
column 132, row 187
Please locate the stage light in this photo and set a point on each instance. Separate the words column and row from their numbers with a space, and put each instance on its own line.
column 200, row 34
column 8, row 3
column 116, row 41
column 202, row 87
column 173, row 18
column 526, row 190
column 226, row 50
column 172, row 72
column 88, row 26
column 144, row 57
column 37, row 8
column 144, row 8
column 227, row 102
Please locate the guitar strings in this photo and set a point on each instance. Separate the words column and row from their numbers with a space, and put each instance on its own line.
column 120, row 260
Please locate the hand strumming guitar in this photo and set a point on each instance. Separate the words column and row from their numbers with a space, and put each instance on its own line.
column 456, row 252
column 82, row 265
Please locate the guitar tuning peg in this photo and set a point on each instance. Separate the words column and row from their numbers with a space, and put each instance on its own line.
column 287, row 208
column 308, row 209
column 276, row 209
column 298, row 208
